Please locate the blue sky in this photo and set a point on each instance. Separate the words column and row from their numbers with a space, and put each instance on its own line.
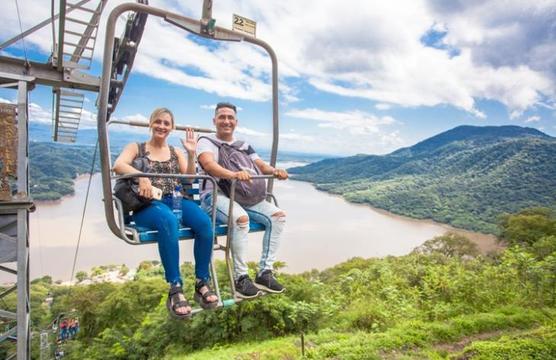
column 355, row 76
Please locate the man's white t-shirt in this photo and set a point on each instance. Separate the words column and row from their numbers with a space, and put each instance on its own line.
column 204, row 145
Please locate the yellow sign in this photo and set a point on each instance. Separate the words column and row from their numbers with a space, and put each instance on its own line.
column 239, row 23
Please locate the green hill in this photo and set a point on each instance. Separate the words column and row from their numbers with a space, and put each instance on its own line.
column 465, row 177
column 53, row 168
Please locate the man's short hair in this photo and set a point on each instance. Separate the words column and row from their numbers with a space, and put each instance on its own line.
column 228, row 105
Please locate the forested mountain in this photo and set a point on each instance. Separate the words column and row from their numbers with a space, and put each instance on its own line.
column 53, row 167
column 466, row 176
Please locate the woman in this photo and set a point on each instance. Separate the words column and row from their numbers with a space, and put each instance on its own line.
column 158, row 215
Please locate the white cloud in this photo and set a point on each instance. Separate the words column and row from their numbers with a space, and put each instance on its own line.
column 127, row 128
column 478, row 114
column 351, row 132
column 382, row 106
column 250, row 132
column 533, row 118
column 504, row 50
column 355, row 122
column 335, row 48
column 292, row 136
column 515, row 114
column 548, row 106
column 38, row 114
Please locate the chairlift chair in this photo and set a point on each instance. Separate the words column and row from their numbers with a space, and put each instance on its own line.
column 110, row 85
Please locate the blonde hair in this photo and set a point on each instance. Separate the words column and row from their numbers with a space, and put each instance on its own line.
column 159, row 111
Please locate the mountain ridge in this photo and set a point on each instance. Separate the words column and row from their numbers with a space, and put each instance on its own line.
column 466, row 176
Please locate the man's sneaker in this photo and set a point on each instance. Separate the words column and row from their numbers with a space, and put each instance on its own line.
column 266, row 281
column 245, row 288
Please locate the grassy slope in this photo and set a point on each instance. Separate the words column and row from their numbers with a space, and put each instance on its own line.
column 412, row 339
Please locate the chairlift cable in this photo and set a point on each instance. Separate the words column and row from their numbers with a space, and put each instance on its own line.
column 84, row 209
column 21, row 29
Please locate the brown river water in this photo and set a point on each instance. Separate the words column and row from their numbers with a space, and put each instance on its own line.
column 322, row 230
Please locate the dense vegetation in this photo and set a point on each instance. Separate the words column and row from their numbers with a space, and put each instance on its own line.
column 53, row 168
column 466, row 176
column 441, row 301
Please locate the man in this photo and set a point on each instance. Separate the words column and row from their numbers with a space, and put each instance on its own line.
column 225, row 120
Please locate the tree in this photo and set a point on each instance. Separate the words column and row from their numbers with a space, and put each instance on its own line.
column 449, row 244
column 81, row 275
column 528, row 226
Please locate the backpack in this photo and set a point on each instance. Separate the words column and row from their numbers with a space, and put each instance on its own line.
column 232, row 158
column 127, row 190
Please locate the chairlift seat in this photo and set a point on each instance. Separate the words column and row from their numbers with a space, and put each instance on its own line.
column 145, row 235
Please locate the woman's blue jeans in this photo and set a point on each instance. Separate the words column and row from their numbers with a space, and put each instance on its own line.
column 159, row 216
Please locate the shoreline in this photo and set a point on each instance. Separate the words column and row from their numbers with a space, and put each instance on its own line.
column 486, row 243
column 77, row 178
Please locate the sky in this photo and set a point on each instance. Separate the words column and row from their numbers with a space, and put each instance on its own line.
column 354, row 76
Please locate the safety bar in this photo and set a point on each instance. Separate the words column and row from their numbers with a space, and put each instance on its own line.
column 193, row 26
column 146, row 124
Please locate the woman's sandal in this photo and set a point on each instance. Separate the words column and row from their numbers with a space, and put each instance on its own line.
column 174, row 301
column 202, row 298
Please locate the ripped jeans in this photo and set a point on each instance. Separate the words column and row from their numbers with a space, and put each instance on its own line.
column 260, row 213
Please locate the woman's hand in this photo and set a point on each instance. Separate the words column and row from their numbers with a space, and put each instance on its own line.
column 145, row 188
column 190, row 141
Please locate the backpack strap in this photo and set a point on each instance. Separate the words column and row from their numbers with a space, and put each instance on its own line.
column 237, row 145
column 142, row 149
column 216, row 143
column 173, row 153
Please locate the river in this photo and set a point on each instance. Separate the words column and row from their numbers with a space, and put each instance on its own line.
column 322, row 230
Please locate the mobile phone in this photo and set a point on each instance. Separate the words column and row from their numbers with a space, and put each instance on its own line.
column 157, row 193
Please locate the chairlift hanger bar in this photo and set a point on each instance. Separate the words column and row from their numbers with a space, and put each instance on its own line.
column 146, row 124
column 194, row 26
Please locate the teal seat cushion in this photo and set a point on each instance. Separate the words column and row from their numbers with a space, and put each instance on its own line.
column 148, row 235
